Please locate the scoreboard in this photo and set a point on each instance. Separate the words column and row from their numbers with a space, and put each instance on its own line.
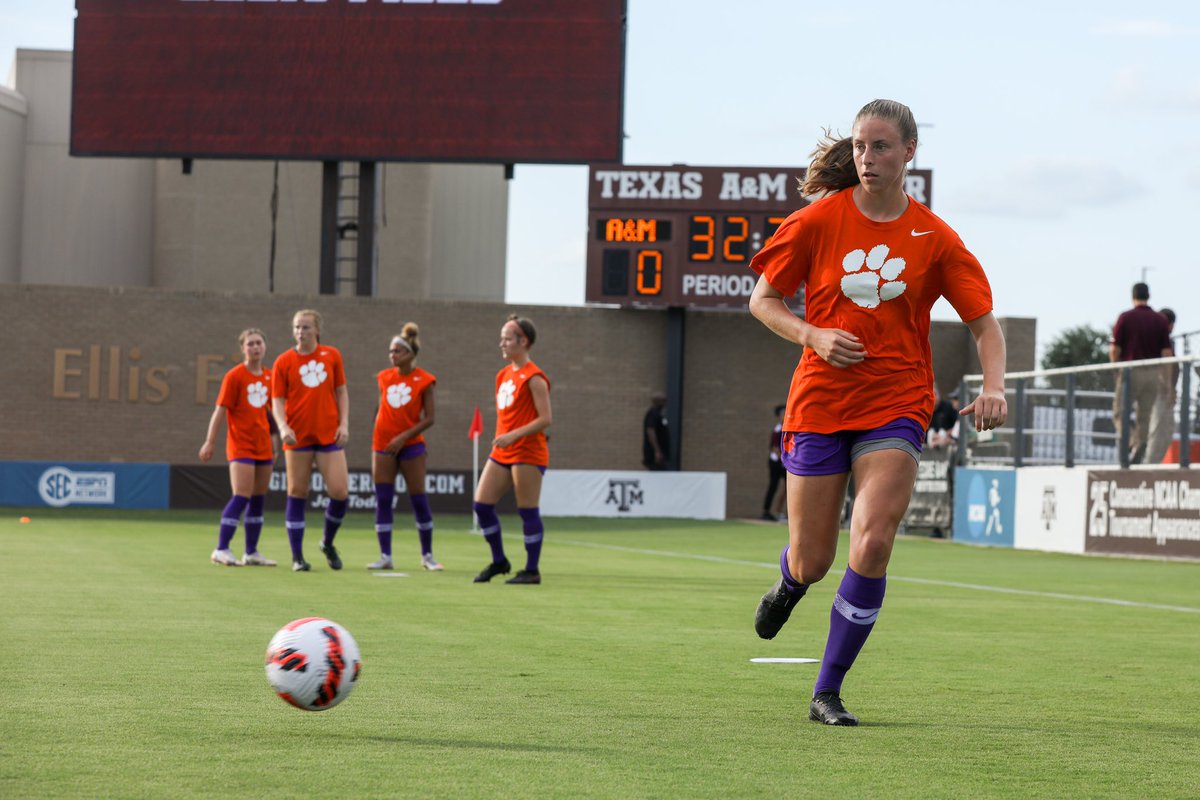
column 663, row 236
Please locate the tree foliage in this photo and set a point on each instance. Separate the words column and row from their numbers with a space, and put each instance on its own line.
column 1078, row 346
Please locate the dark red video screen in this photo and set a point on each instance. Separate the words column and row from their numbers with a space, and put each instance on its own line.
column 533, row 81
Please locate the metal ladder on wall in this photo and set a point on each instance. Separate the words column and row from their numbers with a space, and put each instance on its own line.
column 346, row 259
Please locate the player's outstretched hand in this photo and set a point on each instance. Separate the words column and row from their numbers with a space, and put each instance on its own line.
column 990, row 410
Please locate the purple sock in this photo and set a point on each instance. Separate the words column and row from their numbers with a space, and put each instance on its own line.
column 293, row 519
column 489, row 523
column 385, row 494
column 420, row 507
column 855, row 608
column 793, row 586
column 229, row 520
column 335, row 512
column 532, row 525
column 254, row 521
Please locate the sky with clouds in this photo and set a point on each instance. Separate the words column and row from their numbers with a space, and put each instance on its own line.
column 1062, row 136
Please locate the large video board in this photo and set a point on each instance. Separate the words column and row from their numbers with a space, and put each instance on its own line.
column 391, row 80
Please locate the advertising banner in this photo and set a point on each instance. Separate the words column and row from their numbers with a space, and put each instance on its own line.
column 59, row 484
column 449, row 491
column 608, row 493
column 931, row 498
column 1051, row 509
column 985, row 506
column 1144, row 512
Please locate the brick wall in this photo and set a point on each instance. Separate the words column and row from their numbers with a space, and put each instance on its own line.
column 132, row 374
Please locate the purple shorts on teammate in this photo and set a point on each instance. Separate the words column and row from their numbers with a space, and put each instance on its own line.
column 539, row 467
column 833, row 453
column 407, row 452
column 318, row 448
column 258, row 462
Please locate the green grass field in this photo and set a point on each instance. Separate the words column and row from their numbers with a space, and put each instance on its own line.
column 134, row 668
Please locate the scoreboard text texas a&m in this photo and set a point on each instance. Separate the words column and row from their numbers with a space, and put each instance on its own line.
column 684, row 236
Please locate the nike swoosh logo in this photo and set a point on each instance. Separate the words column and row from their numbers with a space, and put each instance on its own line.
column 921, row 233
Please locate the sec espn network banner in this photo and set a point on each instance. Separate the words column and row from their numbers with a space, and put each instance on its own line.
column 58, row 484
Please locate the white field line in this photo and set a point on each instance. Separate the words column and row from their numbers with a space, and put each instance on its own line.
column 1078, row 598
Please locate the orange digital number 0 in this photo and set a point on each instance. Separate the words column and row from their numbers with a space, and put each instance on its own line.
column 649, row 272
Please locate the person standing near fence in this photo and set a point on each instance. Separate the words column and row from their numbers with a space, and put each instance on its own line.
column 519, row 454
column 1162, row 421
column 1140, row 333
column 242, row 403
column 873, row 261
column 406, row 411
column 312, row 409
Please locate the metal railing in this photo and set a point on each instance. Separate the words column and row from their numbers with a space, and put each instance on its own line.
column 1047, row 406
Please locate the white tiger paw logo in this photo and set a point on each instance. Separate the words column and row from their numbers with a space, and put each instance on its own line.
column 505, row 395
column 863, row 285
column 313, row 374
column 256, row 393
column 399, row 394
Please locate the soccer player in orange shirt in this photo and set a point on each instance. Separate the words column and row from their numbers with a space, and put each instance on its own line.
column 874, row 261
column 242, row 404
column 519, row 454
column 406, row 411
column 312, row 410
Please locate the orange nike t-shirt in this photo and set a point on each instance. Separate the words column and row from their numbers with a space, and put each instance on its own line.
column 245, row 397
column 401, row 402
column 877, row 280
column 308, row 385
column 514, row 408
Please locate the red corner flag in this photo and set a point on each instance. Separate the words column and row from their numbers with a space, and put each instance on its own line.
column 476, row 425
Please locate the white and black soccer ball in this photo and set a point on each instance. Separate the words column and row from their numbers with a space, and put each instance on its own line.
column 313, row 663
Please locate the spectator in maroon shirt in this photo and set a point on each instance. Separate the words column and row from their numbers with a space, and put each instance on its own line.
column 1140, row 333
column 1162, row 424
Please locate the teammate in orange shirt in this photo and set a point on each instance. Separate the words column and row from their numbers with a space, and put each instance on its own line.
column 242, row 404
column 874, row 261
column 519, row 454
column 312, row 409
column 406, row 411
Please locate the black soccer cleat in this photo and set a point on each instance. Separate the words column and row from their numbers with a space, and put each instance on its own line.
column 492, row 570
column 331, row 555
column 301, row 566
column 775, row 608
column 827, row 708
column 526, row 576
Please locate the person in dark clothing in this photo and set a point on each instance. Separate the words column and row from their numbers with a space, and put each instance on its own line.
column 656, row 438
column 1140, row 333
column 943, row 423
column 772, row 504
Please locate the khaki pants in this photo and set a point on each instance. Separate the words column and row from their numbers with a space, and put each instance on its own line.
column 1149, row 390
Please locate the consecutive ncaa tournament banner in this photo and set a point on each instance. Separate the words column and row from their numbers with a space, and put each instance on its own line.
column 1144, row 512
column 605, row 493
column 58, row 484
